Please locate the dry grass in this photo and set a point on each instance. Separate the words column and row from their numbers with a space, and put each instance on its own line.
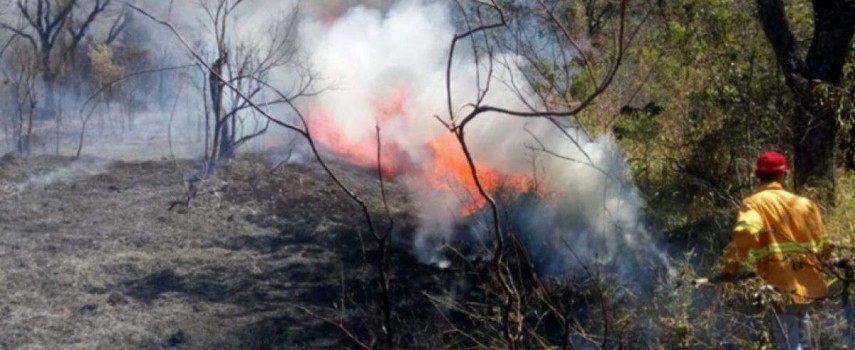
column 93, row 260
column 840, row 220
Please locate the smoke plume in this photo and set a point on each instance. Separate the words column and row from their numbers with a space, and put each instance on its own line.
column 389, row 67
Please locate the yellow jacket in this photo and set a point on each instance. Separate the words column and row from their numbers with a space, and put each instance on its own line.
column 782, row 235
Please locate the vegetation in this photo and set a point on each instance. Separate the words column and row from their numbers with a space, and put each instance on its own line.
column 703, row 97
column 698, row 94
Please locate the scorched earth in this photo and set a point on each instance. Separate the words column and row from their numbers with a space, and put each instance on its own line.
column 91, row 257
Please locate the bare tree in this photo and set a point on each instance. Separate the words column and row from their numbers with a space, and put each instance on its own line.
column 55, row 29
column 20, row 82
column 246, row 65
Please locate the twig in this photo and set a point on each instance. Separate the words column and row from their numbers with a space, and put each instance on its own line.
column 338, row 325
column 383, row 243
column 189, row 184
column 436, row 302
column 291, row 146
column 169, row 130
column 83, row 132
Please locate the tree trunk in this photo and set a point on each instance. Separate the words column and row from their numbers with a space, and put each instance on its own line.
column 28, row 137
column 216, row 89
column 815, row 120
column 814, row 132
column 49, row 80
column 226, row 141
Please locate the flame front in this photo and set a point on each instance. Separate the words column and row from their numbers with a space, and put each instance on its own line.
column 450, row 171
column 443, row 166
column 363, row 152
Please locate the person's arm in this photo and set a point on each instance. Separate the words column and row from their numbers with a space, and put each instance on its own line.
column 818, row 231
column 746, row 233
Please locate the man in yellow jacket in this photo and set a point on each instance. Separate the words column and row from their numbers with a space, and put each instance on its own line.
column 782, row 237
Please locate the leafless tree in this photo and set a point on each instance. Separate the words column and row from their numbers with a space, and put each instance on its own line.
column 246, row 65
column 20, row 83
column 55, row 29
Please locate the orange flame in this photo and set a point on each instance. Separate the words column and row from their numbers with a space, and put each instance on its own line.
column 450, row 168
column 328, row 11
column 445, row 170
column 363, row 152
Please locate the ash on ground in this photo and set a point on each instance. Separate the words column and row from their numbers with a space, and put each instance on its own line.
column 92, row 259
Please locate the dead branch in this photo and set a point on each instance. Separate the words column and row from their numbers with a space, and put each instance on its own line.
column 340, row 327
column 472, row 31
column 189, row 183
column 604, row 309
column 83, row 130
column 383, row 244
column 291, row 145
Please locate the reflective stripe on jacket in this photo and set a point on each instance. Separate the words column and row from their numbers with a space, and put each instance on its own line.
column 782, row 235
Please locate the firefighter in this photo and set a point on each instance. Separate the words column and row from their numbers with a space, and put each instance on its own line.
column 781, row 236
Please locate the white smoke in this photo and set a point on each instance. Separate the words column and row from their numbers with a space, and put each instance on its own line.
column 370, row 54
column 66, row 174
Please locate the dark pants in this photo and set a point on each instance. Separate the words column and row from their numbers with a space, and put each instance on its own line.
column 791, row 327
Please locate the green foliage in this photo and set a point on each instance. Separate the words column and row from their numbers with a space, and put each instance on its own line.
column 584, row 84
column 104, row 70
column 845, row 111
column 708, row 64
column 723, row 100
column 840, row 220
column 699, row 95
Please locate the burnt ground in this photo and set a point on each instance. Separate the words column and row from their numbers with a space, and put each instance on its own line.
column 91, row 257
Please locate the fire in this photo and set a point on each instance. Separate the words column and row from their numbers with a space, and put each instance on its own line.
column 328, row 11
column 450, row 168
column 363, row 152
column 443, row 168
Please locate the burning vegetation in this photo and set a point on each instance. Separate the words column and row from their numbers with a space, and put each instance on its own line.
column 438, row 165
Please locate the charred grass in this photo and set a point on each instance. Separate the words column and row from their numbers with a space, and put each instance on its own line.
column 92, row 258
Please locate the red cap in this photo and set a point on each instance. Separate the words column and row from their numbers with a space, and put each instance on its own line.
column 772, row 163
